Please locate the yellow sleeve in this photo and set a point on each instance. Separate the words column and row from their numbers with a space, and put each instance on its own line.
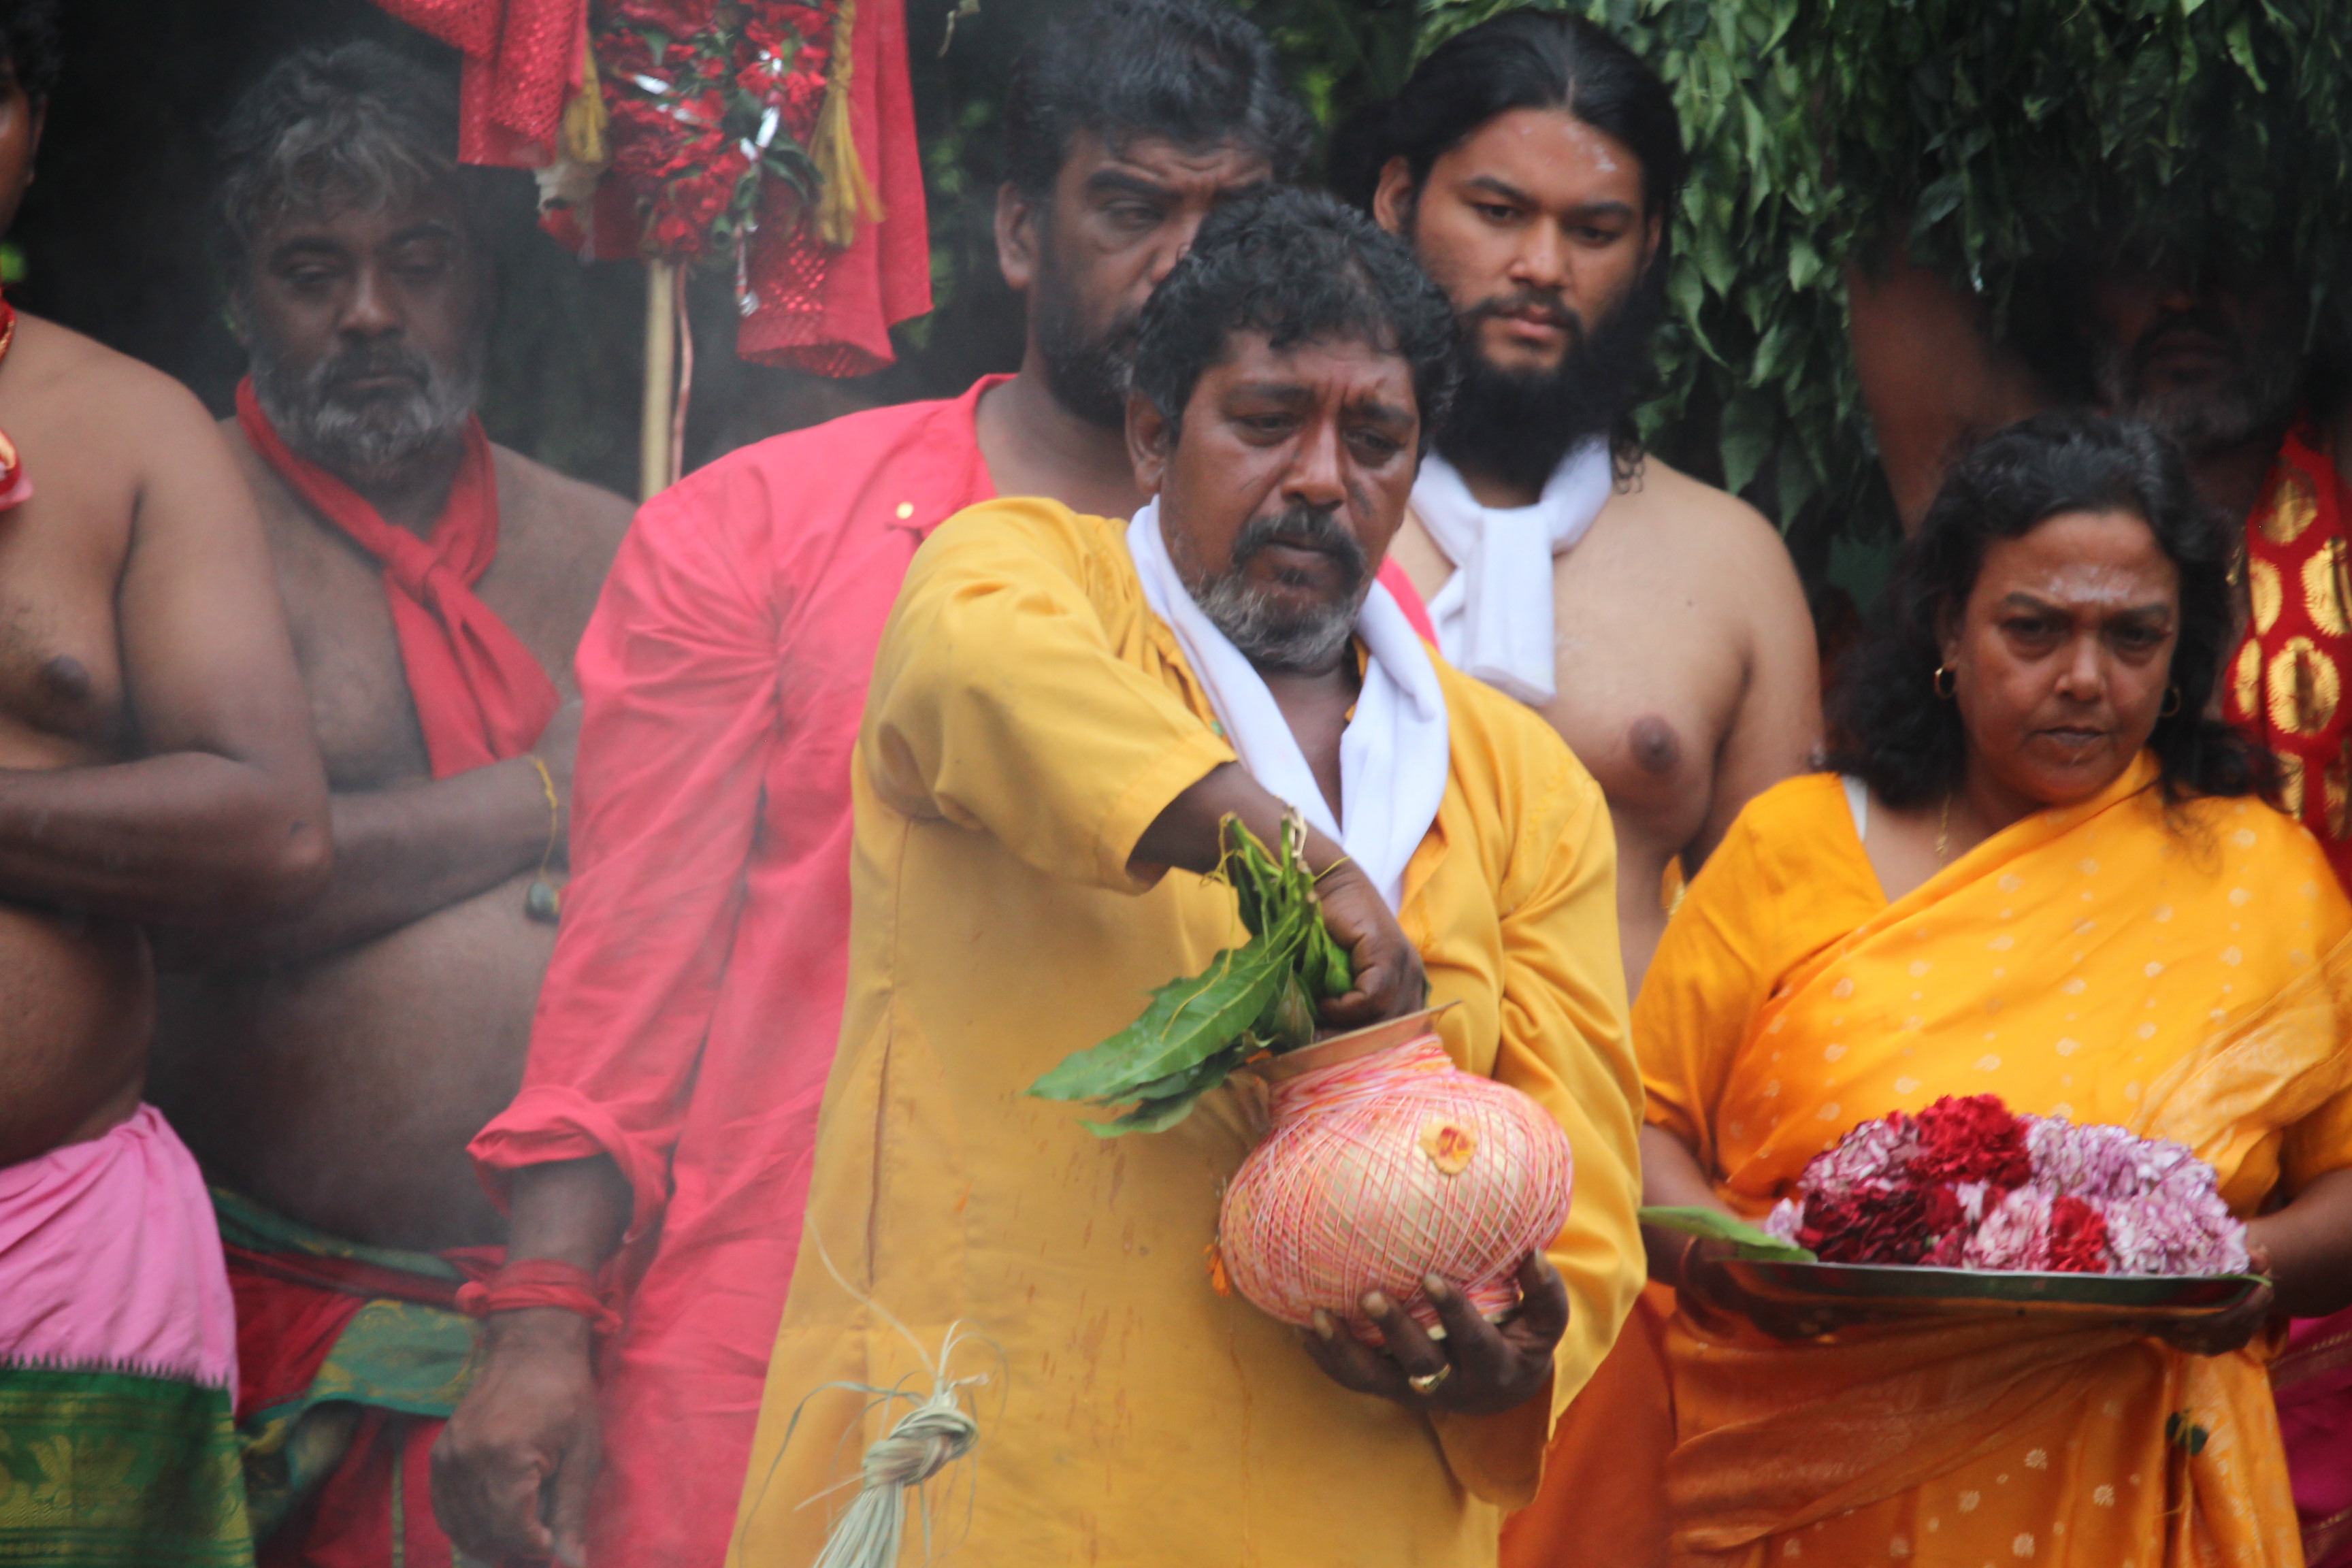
column 1564, row 1043
column 1000, row 704
column 1714, row 969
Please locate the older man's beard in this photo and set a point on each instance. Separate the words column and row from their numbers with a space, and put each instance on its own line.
column 2255, row 398
column 1516, row 425
column 1274, row 634
column 1085, row 371
column 365, row 435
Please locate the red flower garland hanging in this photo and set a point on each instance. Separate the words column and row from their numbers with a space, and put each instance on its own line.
column 715, row 112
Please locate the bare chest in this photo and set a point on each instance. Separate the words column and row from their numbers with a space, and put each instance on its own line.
column 347, row 646
column 62, row 696
column 1649, row 684
column 1648, row 674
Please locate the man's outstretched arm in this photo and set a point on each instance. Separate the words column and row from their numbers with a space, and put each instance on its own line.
column 222, row 813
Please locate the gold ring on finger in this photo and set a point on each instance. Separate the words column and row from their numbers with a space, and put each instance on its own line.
column 1430, row 1382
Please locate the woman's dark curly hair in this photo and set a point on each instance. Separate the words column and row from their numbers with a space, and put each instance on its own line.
column 1907, row 744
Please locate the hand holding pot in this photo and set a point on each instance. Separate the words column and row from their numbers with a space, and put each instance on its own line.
column 1479, row 1368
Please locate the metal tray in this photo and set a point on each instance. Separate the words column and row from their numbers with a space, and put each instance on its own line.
column 1948, row 1292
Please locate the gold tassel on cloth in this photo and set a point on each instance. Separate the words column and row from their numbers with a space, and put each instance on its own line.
column 845, row 194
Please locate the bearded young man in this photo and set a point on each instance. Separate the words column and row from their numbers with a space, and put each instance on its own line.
column 330, row 1069
column 1657, row 623
column 156, row 774
column 694, row 1005
column 1063, row 710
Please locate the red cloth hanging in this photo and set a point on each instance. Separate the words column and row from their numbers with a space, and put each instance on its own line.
column 480, row 695
column 522, row 61
column 828, row 311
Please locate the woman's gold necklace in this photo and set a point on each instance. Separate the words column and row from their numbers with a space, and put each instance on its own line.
column 1944, row 832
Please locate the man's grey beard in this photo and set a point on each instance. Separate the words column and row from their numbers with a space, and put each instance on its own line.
column 1269, row 633
column 2259, row 397
column 372, row 435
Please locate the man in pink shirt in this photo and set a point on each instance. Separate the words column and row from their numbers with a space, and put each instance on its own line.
column 687, row 1023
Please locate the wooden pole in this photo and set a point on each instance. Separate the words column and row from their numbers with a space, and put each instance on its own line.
column 654, row 456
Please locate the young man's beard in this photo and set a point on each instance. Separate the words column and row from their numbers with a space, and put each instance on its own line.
column 1516, row 425
column 1085, row 371
column 1269, row 633
column 2256, row 398
column 371, row 434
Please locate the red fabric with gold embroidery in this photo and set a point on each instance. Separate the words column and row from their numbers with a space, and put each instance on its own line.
column 522, row 58
column 2286, row 683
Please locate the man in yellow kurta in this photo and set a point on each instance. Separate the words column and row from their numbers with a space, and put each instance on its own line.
column 1062, row 709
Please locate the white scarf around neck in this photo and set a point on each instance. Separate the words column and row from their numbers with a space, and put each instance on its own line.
column 1494, row 616
column 1395, row 754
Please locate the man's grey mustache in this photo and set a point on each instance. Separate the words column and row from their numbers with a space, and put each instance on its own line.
column 1307, row 527
column 1269, row 633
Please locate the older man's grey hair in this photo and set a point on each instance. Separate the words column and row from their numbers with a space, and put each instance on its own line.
column 331, row 130
column 326, row 132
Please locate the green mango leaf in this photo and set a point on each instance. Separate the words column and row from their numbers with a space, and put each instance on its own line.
column 1188, row 1021
column 1168, row 1101
column 1258, row 996
column 1717, row 1225
column 1330, row 971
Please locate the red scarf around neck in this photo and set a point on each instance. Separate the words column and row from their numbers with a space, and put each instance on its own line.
column 480, row 695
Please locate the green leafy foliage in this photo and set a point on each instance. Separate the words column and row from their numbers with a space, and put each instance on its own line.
column 1255, row 999
column 1988, row 134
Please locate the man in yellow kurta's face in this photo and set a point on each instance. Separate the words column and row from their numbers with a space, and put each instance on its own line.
column 1063, row 712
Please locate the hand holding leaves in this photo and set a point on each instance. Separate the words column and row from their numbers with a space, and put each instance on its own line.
column 1255, row 999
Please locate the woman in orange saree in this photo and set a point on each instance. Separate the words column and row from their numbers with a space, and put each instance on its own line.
column 2046, row 875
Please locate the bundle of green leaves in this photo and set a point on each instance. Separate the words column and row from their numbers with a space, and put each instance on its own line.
column 1253, row 1000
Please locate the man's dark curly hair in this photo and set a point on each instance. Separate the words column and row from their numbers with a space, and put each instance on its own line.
column 1299, row 268
column 28, row 30
column 1907, row 744
column 1194, row 72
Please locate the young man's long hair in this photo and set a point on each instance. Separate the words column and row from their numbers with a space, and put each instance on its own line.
column 1537, row 60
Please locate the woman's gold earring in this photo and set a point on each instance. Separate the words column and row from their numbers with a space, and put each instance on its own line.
column 2171, row 702
column 1944, row 682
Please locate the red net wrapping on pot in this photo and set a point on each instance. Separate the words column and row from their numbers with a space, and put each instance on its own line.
column 1384, row 1169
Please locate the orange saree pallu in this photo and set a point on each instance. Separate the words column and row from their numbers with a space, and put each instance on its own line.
column 2182, row 970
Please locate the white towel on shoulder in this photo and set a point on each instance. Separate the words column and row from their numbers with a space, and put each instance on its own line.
column 1494, row 616
column 1396, row 756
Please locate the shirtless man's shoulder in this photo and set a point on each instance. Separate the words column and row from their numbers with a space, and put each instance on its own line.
column 560, row 532
column 63, row 385
column 1693, row 526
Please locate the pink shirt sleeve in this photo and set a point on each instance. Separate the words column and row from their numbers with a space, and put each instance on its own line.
column 1409, row 600
column 678, row 671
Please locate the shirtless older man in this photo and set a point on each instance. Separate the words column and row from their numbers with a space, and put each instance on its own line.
column 1533, row 162
column 331, row 1067
column 154, row 770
